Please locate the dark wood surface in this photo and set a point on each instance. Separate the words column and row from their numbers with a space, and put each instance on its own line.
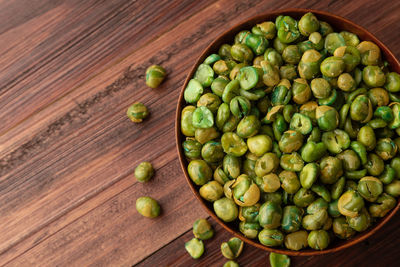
column 68, row 71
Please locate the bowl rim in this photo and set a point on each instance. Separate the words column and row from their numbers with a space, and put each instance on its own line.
column 296, row 12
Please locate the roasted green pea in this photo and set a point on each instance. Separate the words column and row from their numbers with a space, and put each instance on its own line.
column 388, row 175
column 155, row 74
column 202, row 117
column 375, row 165
column 211, row 59
column 248, row 77
column 204, row 135
column 306, row 45
column 288, row 30
column 308, row 24
column 350, row 38
column 360, row 150
column 327, row 118
column 325, row 28
column 259, row 144
column 144, row 172
column 318, row 239
column 241, row 53
column 192, row 149
column 379, row 97
column 204, row 74
column 308, row 175
column 332, row 66
column 303, row 197
column 218, row 85
column 392, row 82
column 270, row 74
column 195, row 248
column 292, row 162
column 370, row 188
column 257, row 43
column 351, row 161
column 331, row 169
column 360, row 222
column 225, row 51
column 279, row 126
column 202, row 229
column 211, row 191
column 321, row 191
column 346, row 82
column 312, row 151
column 291, row 54
column 291, row 219
column 289, row 182
column 350, row 203
column 220, row 176
column 223, row 115
column 249, row 213
column 231, row 264
column 279, row 260
column 309, row 65
column 148, row 207
column 269, row 183
column 333, row 41
column 333, row 209
column 232, row 249
column 301, row 91
column 288, row 72
column 373, row 76
column 271, row 238
column 296, row 240
column 315, row 135
column 291, row 141
column 210, row 101
column 301, row 123
column 355, row 175
column 233, row 144
column 272, row 57
column 268, row 29
column 315, row 221
column 270, row 215
column 370, row 53
column 193, row 91
column 351, row 57
column 248, row 126
column 231, row 166
column 269, row 162
column 342, row 229
column 288, row 112
column 366, row 136
column 226, row 209
column 245, row 193
column 393, row 188
column 199, row 172
column 336, row 141
column 137, row 112
column 382, row 206
column 361, row 109
column 317, row 40
column 395, row 123
column 386, row 148
column 281, row 94
column 249, row 229
column 395, row 164
column 240, row 106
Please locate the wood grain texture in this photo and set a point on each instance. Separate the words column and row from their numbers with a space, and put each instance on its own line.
column 68, row 71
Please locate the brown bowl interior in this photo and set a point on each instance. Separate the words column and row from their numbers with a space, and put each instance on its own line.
column 339, row 24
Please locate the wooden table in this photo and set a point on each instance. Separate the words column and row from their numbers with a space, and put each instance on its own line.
column 68, row 71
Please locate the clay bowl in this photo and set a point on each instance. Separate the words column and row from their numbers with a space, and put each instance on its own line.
column 339, row 24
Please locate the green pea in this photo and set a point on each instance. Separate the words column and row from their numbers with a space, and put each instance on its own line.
column 279, row 260
column 393, row 188
column 155, row 74
column 375, row 164
column 210, row 101
column 269, row 183
column 271, row 238
column 329, row 100
column 312, row 151
column 204, row 135
column 303, row 198
column 225, row 51
column 270, row 215
column 211, row 59
column 291, row 141
column 379, row 97
column 232, row 249
column 218, row 85
column 269, row 162
column 291, row 54
column 191, row 148
column 350, row 160
column 148, row 207
column 309, row 65
column 233, row 144
column 395, row 123
column 301, row 123
column 360, row 222
column 373, row 76
column 333, row 41
column 342, row 229
column 331, row 170
column 199, row 172
column 350, row 38
column 224, row 67
column 268, row 29
column 220, row 176
column 301, row 91
column 317, row 40
column 392, row 82
column 325, row 28
column 370, row 53
column 204, row 74
column 333, row 209
column 245, row 193
column 240, row 106
column 259, row 144
column 288, row 72
column 202, row 118
column 308, row 175
column 272, row 57
column 327, row 118
column 366, row 136
column 321, row 191
column 289, row 182
column 193, row 91
column 226, row 209
column 355, row 175
column 351, row 57
column 386, row 148
column 202, row 229
column 279, row 126
column 249, row 229
column 291, row 219
column 231, row 166
column 336, row 141
column 257, row 43
column 248, row 126
column 315, row 221
column 385, row 113
column 292, row 162
column 195, row 248
column 144, row 172
column 318, row 239
column 350, row 203
column 370, row 188
column 288, row 30
column 296, row 240
column 231, row 264
column 315, row 135
column 383, row 205
column 248, row 77
column 332, row 66
column 388, row 175
column 308, row 24
column 223, row 115
column 137, row 112
column 288, row 112
column 241, row 53
column 306, row 45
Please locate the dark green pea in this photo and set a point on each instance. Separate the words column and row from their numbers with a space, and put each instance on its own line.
column 355, row 175
column 211, row 59
column 263, row 104
column 291, row 54
column 249, row 229
column 288, row 72
column 291, row 219
column 241, row 53
column 303, row 198
column 273, row 57
column 332, row 66
column 218, row 85
column 231, row 165
column 388, row 175
column 288, row 112
column 318, row 239
column 379, row 97
column 248, row 167
column 223, row 67
column 288, row 30
column 395, row 97
column 342, row 229
column 290, row 141
column 309, row 109
column 204, row 74
column 271, row 238
column 330, row 100
column 395, row 123
column 137, row 112
column 308, row 24
column 240, row 106
column 393, row 188
column 202, row 229
column 370, row 188
column 325, row 28
column 383, row 205
column 321, row 191
column 301, row 91
column 327, row 118
column 309, row 65
column 259, row 144
column 279, row 126
column 336, row 141
column 233, row 144
column 225, row 51
column 204, row 135
column 270, row 215
column 333, row 209
column 148, row 207
column 331, row 169
column 276, row 150
column 235, row 70
column 377, row 123
column 269, row 162
column 257, row 43
column 292, row 162
column 296, row 240
column 315, row 135
column 241, row 36
column 344, row 111
column 350, row 185
column 370, row 53
column 315, row 221
column 202, row 118
column 333, row 41
column 392, row 82
column 308, row 175
column 375, row 165
column 253, row 95
column 199, row 171
column 312, row 151
column 386, row 148
column 373, row 76
column 351, row 128
column 155, row 74
column 248, row 77
column 144, row 172
column 279, row 260
column 226, row 209
column 360, row 150
column 366, row 136
column 231, row 90
column 351, row 161
column 350, row 203
column 212, row 152
column 289, row 182
column 193, row 91
column 249, row 213
column 361, row 109
column 385, row 113
column 360, row 222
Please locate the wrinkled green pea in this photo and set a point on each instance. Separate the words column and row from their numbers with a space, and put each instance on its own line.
column 373, row 76
column 232, row 249
column 290, row 141
column 288, row 30
column 269, row 162
column 249, row 229
column 240, row 106
column 225, row 51
column 393, row 188
column 231, row 166
column 301, row 91
column 321, row 191
column 308, row 24
column 379, row 97
column 333, row 209
column 292, row 162
column 382, row 206
column 248, row 126
column 370, row 53
column 218, row 85
column 312, row 151
column 199, row 172
column 303, row 197
column 325, row 28
column 291, row 219
column 148, row 207
column 272, row 57
column 315, row 135
column 350, row 160
column 334, row 40
column 350, row 38
column 309, row 65
column 289, row 182
column 270, row 215
column 386, row 148
column 315, row 221
column 375, row 165
column 327, row 118
column 195, row 248
column 346, row 82
column 360, row 150
column 211, row 191
column 271, row 238
column 279, row 260
column 308, row 175
column 291, row 54
column 388, row 175
column 204, row 74
column 245, row 193
column 270, row 183
column 209, row 100
column 192, row 149
column 370, row 188
column 202, row 229
column 392, row 82
column 233, row 144
column 144, row 172
column 155, row 74
column 342, row 229
column 223, row 67
column 205, row 135
column 137, row 112
column 350, row 203
column 241, row 53
column 288, row 72
column 360, row 222
column 336, row 141
column 351, row 57
column 223, row 115
column 202, row 117
column 331, row 170
column 318, row 239
column 332, row 66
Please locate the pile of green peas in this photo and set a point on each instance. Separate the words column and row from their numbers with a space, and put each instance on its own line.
column 292, row 131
